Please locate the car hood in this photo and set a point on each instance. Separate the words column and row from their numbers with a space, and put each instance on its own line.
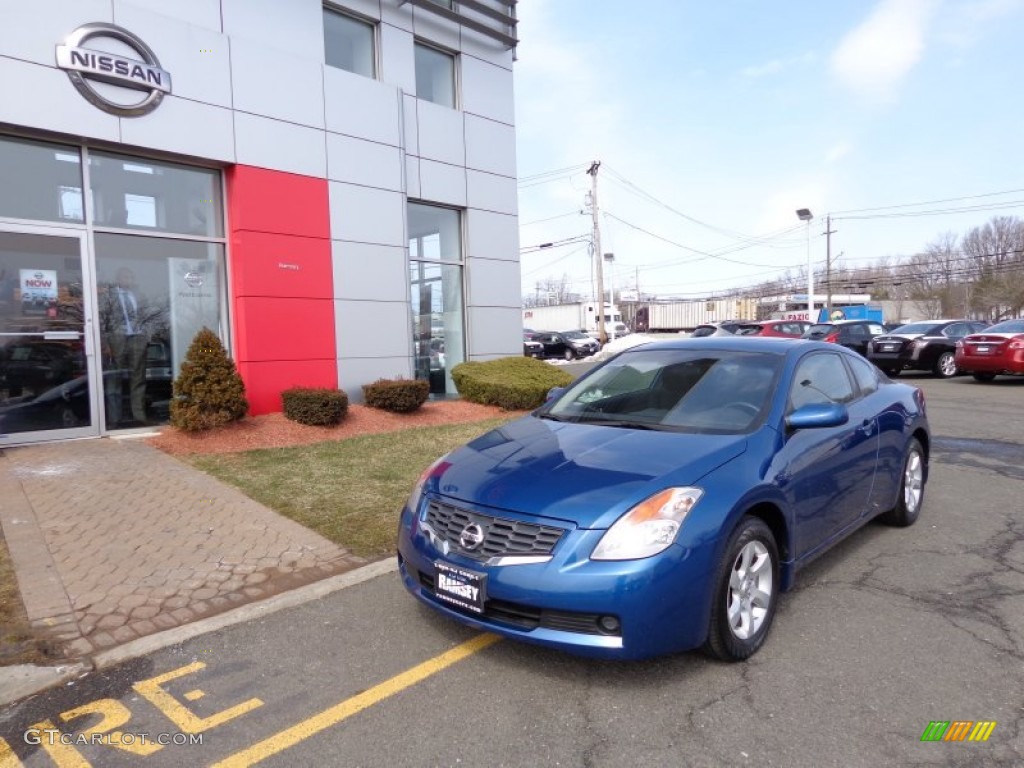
column 585, row 474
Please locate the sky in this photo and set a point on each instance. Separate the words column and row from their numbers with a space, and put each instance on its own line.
column 715, row 121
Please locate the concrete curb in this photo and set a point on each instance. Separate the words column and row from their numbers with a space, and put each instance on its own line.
column 26, row 680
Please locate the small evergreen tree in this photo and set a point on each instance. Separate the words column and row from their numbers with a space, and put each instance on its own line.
column 208, row 392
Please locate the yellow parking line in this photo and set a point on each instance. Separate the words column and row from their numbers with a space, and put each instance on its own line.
column 289, row 737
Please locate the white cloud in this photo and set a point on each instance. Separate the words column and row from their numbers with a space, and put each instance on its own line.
column 838, row 152
column 775, row 66
column 969, row 20
column 760, row 70
column 873, row 58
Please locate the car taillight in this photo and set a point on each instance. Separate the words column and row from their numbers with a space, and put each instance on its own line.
column 832, row 337
column 919, row 396
column 1017, row 344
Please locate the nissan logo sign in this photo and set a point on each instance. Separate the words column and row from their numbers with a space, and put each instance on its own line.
column 472, row 536
column 87, row 66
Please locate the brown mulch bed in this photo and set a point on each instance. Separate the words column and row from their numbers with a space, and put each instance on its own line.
column 275, row 431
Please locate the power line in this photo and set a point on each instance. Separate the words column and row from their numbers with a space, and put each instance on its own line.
column 929, row 202
column 550, row 218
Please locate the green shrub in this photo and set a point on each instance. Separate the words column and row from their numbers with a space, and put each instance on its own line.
column 397, row 395
column 208, row 392
column 313, row 406
column 513, row 383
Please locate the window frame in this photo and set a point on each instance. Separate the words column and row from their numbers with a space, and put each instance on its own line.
column 455, row 81
column 373, row 24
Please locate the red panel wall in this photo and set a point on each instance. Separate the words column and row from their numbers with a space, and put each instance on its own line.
column 282, row 286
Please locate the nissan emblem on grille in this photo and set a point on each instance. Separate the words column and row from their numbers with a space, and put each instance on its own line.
column 472, row 536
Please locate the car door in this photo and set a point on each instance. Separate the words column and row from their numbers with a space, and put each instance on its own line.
column 826, row 473
column 855, row 336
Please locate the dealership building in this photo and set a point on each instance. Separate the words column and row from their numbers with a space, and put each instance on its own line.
column 330, row 187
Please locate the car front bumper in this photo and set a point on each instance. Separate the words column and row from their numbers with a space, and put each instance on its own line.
column 661, row 603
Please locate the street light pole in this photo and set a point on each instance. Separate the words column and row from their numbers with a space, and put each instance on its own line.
column 804, row 214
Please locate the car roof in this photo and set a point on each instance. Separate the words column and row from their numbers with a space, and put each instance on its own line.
column 779, row 345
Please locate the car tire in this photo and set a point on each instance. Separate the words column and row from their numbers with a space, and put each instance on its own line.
column 984, row 377
column 892, row 373
column 746, row 592
column 911, row 495
column 570, row 355
column 945, row 366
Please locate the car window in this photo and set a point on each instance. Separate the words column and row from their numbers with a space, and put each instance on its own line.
column 856, row 331
column 865, row 374
column 820, row 378
column 956, row 330
column 819, row 330
column 875, row 329
column 675, row 390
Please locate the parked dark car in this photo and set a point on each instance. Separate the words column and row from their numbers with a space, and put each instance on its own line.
column 62, row 407
column 532, row 348
column 569, row 345
column 37, row 365
column 792, row 329
column 852, row 334
column 929, row 345
column 997, row 350
column 667, row 498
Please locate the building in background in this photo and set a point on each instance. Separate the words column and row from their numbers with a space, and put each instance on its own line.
column 329, row 186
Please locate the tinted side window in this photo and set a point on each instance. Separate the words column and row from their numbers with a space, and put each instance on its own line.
column 956, row 330
column 820, row 378
column 865, row 374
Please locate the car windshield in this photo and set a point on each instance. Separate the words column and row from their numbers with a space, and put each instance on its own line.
column 915, row 328
column 1007, row 326
column 703, row 330
column 753, row 329
column 821, row 329
column 676, row 390
column 575, row 335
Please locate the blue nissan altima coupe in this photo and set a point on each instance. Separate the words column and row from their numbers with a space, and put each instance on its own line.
column 664, row 500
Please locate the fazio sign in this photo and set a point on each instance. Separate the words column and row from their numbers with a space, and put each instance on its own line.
column 88, row 66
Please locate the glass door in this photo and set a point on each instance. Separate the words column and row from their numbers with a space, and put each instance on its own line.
column 47, row 365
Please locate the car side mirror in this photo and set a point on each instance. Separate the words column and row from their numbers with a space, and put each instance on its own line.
column 554, row 393
column 818, row 415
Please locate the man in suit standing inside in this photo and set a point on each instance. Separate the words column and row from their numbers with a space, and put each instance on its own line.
column 126, row 340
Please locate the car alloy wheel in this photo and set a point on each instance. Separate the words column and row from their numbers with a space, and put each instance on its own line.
column 908, row 504
column 569, row 355
column 945, row 366
column 746, row 592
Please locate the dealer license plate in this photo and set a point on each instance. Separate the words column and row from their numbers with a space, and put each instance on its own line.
column 982, row 350
column 466, row 589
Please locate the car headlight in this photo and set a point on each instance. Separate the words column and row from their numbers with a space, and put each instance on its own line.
column 434, row 470
column 648, row 528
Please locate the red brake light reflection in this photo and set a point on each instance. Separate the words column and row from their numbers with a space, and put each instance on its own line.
column 832, row 337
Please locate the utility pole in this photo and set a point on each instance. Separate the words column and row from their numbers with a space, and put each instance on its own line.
column 828, row 263
column 592, row 171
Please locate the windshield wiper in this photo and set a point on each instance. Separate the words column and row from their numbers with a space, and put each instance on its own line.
column 553, row 417
column 624, row 424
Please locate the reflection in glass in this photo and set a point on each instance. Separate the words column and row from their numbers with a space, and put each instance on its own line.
column 40, row 181
column 154, row 295
column 348, row 43
column 136, row 193
column 43, row 381
column 435, row 75
column 436, row 294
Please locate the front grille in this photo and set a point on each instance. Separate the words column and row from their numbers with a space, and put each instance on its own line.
column 527, row 617
column 501, row 537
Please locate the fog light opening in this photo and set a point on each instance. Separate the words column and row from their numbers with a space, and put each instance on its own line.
column 610, row 625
